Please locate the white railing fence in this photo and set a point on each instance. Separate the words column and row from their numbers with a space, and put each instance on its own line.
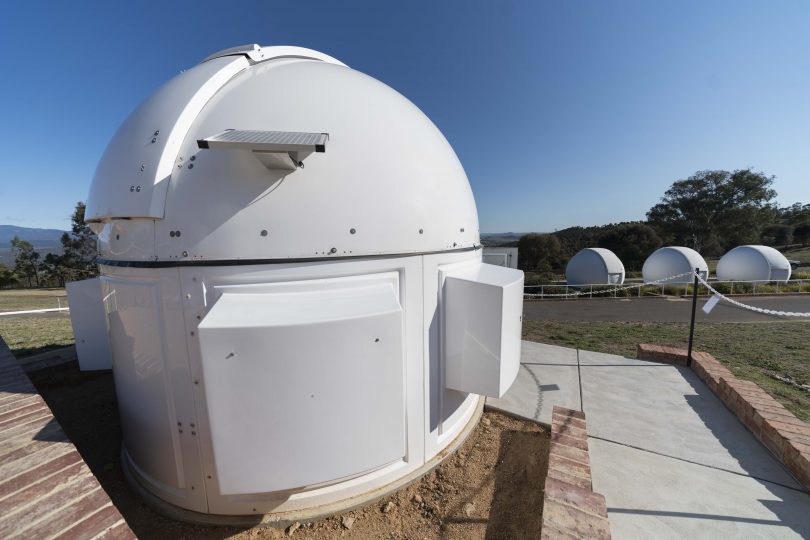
column 662, row 288
column 61, row 305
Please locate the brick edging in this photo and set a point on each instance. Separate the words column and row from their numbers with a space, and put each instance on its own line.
column 571, row 509
column 784, row 435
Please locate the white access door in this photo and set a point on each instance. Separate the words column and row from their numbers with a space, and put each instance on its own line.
column 483, row 315
column 304, row 382
column 89, row 323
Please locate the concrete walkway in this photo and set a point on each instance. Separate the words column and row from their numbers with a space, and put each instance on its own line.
column 670, row 459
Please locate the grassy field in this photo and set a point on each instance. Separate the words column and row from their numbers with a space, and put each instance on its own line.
column 27, row 336
column 30, row 335
column 752, row 351
column 21, row 299
column 799, row 254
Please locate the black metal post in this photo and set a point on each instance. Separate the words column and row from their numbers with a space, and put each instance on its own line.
column 692, row 323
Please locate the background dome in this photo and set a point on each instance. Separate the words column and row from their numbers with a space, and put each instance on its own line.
column 753, row 263
column 673, row 260
column 592, row 266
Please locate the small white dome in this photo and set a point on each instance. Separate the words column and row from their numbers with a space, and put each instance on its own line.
column 671, row 261
column 594, row 266
column 753, row 263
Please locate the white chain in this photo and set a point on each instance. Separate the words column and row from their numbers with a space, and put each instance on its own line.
column 615, row 289
column 751, row 308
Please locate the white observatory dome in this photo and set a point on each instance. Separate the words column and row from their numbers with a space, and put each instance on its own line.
column 298, row 313
column 671, row 261
column 594, row 266
column 387, row 183
column 753, row 263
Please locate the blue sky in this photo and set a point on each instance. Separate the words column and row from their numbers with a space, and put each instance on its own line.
column 562, row 113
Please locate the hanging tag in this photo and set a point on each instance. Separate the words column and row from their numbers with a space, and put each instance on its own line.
column 710, row 303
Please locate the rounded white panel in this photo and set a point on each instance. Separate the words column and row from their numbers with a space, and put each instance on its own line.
column 387, row 183
column 594, row 266
column 257, row 53
column 671, row 261
column 753, row 263
column 132, row 177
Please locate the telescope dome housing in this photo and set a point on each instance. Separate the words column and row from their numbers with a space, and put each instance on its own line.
column 753, row 263
column 298, row 313
column 670, row 264
column 594, row 266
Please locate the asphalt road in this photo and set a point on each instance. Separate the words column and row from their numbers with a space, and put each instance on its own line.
column 662, row 309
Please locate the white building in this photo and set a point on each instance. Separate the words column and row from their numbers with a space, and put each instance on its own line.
column 299, row 316
column 594, row 266
column 671, row 261
column 753, row 263
column 501, row 256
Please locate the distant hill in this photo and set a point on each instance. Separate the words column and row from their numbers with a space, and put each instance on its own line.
column 500, row 239
column 44, row 240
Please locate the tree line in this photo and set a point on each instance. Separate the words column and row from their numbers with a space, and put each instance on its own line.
column 711, row 212
column 77, row 260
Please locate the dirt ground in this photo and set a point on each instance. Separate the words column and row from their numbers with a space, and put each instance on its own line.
column 492, row 488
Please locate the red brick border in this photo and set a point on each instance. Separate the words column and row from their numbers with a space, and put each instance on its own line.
column 787, row 437
column 571, row 509
column 658, row 353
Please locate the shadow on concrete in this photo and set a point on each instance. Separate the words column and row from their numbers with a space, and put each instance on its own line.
column 693, row 515
column 725, row 426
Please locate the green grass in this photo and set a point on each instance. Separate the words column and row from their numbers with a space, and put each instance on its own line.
column 798, row 254
column 752, row 351
column 22, row 299
column 27, row 336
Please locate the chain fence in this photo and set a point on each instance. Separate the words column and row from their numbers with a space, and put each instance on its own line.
column 756, row 309
column 663, row 282
column 663, row 287
column 591, row 292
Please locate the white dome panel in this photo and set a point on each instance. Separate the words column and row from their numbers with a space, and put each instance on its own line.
column 132, row 177
column 388, row 182
column 594, row 266
column 324, row 325
column 671, row 261
column 753, row 263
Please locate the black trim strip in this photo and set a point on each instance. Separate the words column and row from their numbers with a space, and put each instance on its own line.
column 246, row 262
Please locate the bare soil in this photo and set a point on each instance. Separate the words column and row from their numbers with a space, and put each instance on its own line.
column 491, row 488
